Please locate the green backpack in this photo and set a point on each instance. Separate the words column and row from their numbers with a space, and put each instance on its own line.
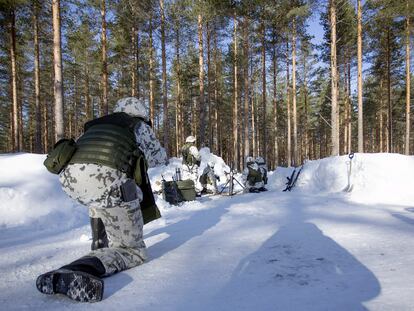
column 60, row 155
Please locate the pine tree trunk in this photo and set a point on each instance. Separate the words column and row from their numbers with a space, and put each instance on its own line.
column 408, row 84
column 15, row 106
column 275, row 125
column 289, row 134
column 334, row 83
column 164, row 82
column 201, row 106
column 209, row 80
column 151, row 73
column 134, row 63
column 360, row 106
column 246, row 88
column 235, row 103
column 216, row 96
column 295, row 127
column 58, row 79
column 38, row 110
column 263, row 149
column 389, row 117
column 104, row 106
column 178, row 120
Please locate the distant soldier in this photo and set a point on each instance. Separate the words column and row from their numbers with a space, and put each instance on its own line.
column 108, row 174
column 262, row 167
column 252, row 177
column 209, row 179
column 191, row 160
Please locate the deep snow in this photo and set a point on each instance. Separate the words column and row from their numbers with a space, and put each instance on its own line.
column 315, row 248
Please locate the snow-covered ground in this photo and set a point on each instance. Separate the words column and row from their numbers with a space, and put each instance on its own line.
column 315, row 248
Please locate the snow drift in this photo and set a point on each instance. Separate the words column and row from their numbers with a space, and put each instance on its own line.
column 29, row 193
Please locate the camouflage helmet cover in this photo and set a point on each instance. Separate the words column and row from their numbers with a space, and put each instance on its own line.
column 132, row 106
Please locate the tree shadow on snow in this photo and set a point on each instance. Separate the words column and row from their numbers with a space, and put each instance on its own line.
column 299, row 268
column 184, row 230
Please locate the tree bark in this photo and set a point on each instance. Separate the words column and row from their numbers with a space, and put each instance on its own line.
column 334, row 83
column 360, row 106
column 389, row 117
column 235, row 103
column 294, row 116
column 38, row 131
column 201, row 104
column 164, row 82
column 104, row 106
column 151, row 78
column 58, row 79
column 275, row 133
column 408, row 84
column 289, row 134
column 246, row 88
column 263, row 148
column 15, row 105
column 178, row 120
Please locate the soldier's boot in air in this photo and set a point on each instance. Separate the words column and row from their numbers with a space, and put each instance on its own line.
column 79, row 280
column 99, row 238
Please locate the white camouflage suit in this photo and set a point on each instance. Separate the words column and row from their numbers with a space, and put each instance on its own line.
column 245, row 175
column 191, row 172
column 97, row 187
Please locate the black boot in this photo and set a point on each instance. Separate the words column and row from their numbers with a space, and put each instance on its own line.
column 79, row 280
column 99, row 238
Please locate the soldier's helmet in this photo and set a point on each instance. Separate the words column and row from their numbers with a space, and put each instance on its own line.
column 190, row 139
column 132, row 106
column 260, row 160
column 249, row 160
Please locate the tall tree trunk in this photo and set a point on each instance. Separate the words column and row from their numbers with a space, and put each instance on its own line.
column 334, row 82
column 246, row 88
column 360, row 106
column 164, row 82
column 201, row 106
column 210, row 128
column 295, row 126
column 134, row 65
column 216, row 93
column 289, row 134
column 275, row 125
column 235, row 103
column 408, row 85
column 381, row 130
column 38, row 132
column 15, row 106
column 104, row 105
column 57, row 62
column 151, row 73
column 264, row 127
column 389, row 117
column 178, row 120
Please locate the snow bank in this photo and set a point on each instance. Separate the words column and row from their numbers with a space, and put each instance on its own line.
column 375, row 178
column 30, row 194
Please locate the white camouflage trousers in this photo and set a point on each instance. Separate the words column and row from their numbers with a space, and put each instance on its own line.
column 97, row 187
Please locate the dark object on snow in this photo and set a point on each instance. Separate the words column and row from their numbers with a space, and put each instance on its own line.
column 177, row 191
column 58, row 158
column 187, row 189
column 99, row 238
column 349, row 187
column 77, row 285
column 292, row 179
column 230, row 182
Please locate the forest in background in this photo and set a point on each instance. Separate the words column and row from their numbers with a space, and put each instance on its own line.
column 244, row 77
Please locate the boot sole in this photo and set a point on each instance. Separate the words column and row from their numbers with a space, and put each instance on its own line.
column 76, row 285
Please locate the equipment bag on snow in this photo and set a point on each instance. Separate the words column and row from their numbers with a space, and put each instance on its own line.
column 170, row 192
column 186, row 189
column 60, row 155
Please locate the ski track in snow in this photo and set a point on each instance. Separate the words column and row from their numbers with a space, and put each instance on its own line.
column 299, row 250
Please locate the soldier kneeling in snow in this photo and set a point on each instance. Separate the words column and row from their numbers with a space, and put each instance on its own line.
column 252, row 177
column 262, row 167
column 209, row 178
column 191, row 161
column 108, row 173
